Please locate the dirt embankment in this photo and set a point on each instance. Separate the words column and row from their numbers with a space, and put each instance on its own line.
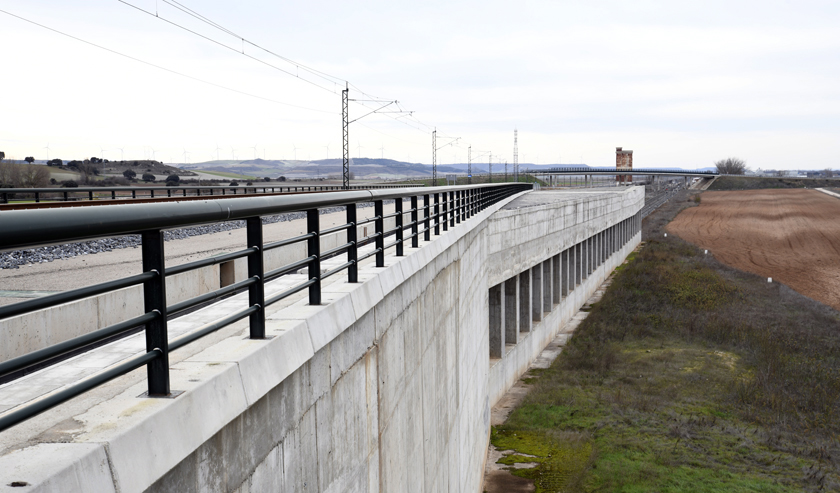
column 792, row 236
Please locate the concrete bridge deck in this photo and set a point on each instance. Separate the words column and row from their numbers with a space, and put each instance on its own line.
column 386, row 386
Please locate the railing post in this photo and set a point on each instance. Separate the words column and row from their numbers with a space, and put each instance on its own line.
column 256, row 291
column 414, row 239
column 134, row 194
column 113, row 194
column 452, row 209
column 352, row 250
column 65, row 197
column 154, row 299
column 427, row 224
column 398, row 208
column 314, row 248
column 459, row 203
column 168, row 192
column 37, row 197
column 437, row 214
column 378, row 211
column 445, row 212
column 151, row 190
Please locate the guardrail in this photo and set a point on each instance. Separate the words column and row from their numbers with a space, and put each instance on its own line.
column 91, row 193
column 442, row 207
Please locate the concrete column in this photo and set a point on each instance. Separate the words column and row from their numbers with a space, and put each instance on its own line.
column 497, row 322
column 525, row 301
column 578, row 264
column 548, row 284
column 587, row 257
column 564, row 272
column 511, row 294
column 536, row 292
column 556, row 275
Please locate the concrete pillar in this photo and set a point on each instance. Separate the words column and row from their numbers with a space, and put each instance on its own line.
column 587, row 257
column 548, row 284
column 525, row 301
column 564, row 272
column 511, row 294
column 536, row 292
column 578, row 264
column 556, row 275
column 497, row 322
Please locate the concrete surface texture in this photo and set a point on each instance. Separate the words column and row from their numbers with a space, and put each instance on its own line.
column 386, row 386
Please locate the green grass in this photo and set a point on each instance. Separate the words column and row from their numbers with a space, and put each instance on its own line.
column 686, row 377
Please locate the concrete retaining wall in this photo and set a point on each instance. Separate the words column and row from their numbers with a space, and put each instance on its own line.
column 387, row 386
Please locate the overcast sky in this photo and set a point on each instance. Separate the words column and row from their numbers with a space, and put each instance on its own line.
column 682, row 84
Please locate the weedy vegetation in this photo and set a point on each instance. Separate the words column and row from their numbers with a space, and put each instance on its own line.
column 686, row 376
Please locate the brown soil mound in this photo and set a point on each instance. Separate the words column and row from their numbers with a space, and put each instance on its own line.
column 792, row 236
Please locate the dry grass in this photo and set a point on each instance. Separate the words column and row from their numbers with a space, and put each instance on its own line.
column 692, row 376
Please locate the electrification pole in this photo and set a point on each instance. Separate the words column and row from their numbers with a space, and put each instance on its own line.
column 490, row 167
column 516, row 155
column 469, row 165
column 434, row 157
column 345, row 134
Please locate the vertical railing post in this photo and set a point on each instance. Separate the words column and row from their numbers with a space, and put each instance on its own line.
column 427, row 224
column 154, row 299
column 113, row 194
column 314, row 249
column 134, row 194
column 352, row 250
column 378, row 212
column 445, row 212
column 452, row 209
column 256, row 291
column 414, row 236
column 437, row 214
column 398, row 209
column 459, row 204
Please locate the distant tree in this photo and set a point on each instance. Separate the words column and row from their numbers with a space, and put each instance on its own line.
column 33, row 176
column 29, row 159
column 249, row 183
column 233, row 184
column 55, row 162
column 828, row 172
column 2, row 155
column 147, row 177
column 88, row 169
column 266, row 179
column 69, row 184
column 173, row 179
column 129, row 173
column 282, row 178
column 731, row 166
column 52, row 181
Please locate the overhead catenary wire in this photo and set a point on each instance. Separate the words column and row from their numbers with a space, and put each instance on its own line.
column 165, row 69
column 323, row 75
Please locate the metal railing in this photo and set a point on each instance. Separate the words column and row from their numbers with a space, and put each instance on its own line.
column 114, row 193
column 442, row 208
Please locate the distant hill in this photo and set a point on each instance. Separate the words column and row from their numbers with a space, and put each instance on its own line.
column 364, row 168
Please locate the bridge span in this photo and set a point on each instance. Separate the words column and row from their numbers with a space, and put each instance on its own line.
column 359, row 357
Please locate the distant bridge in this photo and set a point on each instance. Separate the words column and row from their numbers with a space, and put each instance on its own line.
column 581, row 170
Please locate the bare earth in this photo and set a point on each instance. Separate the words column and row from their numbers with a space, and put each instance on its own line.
column 792, row 236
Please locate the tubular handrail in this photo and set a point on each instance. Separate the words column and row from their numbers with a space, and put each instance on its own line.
column 26, row 228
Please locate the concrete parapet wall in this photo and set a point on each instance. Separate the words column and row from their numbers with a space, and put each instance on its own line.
column 387, row 386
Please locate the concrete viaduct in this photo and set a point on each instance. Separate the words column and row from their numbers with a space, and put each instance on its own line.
column 383, row 384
